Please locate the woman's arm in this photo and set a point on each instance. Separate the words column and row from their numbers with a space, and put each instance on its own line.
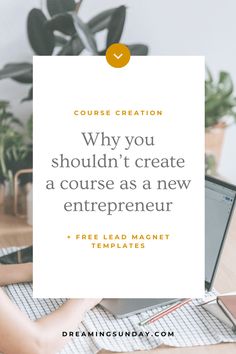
column 15, row 273
column 20, row 335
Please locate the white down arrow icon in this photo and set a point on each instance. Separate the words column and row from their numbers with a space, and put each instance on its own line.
column 118, row 56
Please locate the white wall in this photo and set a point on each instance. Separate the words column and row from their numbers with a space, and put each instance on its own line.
column 183, row 27
column 14, row 47
column 169, row 27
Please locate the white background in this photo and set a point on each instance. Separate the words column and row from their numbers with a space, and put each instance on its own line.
column 70, row 268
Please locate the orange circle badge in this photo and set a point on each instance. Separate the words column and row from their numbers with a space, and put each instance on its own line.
column 118, row 55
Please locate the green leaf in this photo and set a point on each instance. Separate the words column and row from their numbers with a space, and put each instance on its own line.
column 21, row 72
column 212, row 105
column 3, row 105
column 16, row 121
column 73, row 47
column 29, row 97
column 101, row 21
column 62, row 23
column 225, row 83
column 60, row 6
column 41, row 38
column 60, row 41
column 102, row 52
column 29, row 127
column 116, row 25
column 138, row 49
column 209, row 77
column 85, row 34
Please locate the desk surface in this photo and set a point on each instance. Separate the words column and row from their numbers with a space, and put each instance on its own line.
column 14, row 232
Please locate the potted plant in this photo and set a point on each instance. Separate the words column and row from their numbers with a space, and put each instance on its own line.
column 58, row 31
column 15, row 152
column 62, row 32
column 220, row 111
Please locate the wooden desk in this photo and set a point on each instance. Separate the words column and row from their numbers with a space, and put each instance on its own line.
column 14, row 232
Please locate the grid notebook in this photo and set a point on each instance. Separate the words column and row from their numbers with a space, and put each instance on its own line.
column 191, row 325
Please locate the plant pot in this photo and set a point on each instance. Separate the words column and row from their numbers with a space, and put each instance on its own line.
column 2, row 197
column 7, row 199
column 29, row 204
column 8, row 203
column 214, row 138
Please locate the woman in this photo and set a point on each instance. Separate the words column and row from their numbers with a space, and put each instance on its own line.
column 20, row 335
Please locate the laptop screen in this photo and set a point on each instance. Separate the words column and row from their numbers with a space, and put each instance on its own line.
column 220, row 198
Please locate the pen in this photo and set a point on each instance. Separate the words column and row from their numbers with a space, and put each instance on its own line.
column 164, row 312
column 207, row 302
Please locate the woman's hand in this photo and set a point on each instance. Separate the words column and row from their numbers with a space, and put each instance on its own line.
column 89, row 303
column 82, row 306
column 22, row 336
column 15, row 273
column 19, row 334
